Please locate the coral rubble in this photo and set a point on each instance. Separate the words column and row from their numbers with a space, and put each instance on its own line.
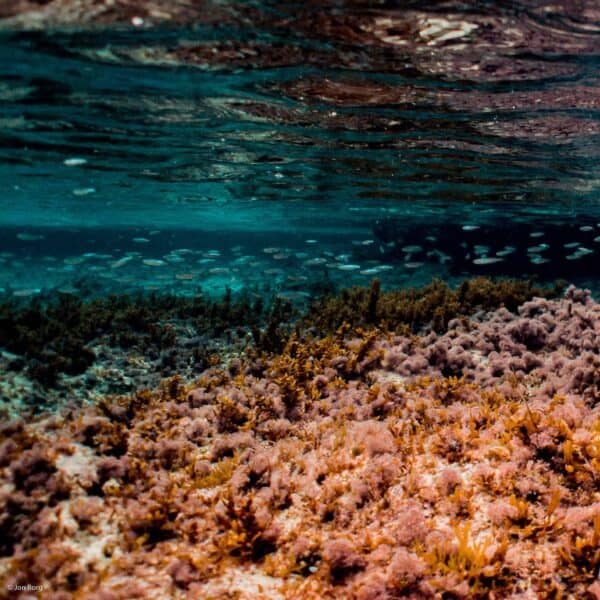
column 366, row 464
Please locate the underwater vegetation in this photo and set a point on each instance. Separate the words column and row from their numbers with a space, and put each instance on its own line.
column 372, row 443
column 412, row 309
column 58, row 335
column 54, row 337
column 365, row 464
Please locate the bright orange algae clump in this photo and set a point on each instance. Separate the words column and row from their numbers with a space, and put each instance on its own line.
column 459, row 465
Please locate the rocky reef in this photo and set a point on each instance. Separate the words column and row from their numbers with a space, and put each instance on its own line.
column 62, row 342
column 459, row 461
column 61, row 347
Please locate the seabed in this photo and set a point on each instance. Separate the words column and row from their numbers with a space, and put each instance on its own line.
column 299, row 300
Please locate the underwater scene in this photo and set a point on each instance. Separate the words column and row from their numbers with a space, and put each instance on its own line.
column 299, row 300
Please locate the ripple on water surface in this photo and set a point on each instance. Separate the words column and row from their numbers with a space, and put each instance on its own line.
column 300, row 133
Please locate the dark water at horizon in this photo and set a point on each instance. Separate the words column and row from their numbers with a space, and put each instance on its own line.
column 296, row 144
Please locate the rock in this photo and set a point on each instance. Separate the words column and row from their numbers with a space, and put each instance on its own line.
column 17, row 364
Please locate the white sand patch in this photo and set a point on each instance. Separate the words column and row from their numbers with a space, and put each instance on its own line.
column 246, row 583
column 381, row 376
column 78, row 466
column 91, row 548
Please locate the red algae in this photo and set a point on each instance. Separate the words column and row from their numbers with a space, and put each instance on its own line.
column 463, row 464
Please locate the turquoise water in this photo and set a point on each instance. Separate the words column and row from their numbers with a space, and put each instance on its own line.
column 299, row 148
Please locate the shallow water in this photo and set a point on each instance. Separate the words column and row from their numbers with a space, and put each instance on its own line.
column 300, row 147
column 162, row 447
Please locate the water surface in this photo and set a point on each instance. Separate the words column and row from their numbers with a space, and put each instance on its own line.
column 297, row 146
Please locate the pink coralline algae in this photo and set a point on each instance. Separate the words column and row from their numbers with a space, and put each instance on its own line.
column 464, row 464
column 555, row 344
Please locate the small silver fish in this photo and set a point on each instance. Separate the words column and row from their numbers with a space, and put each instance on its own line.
column 487, row 260
column 536, row 259
column 122, row 261
column 84, row 191
column 412, row 249
column 153, row 262
column 30, row 237
column 74, row 162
